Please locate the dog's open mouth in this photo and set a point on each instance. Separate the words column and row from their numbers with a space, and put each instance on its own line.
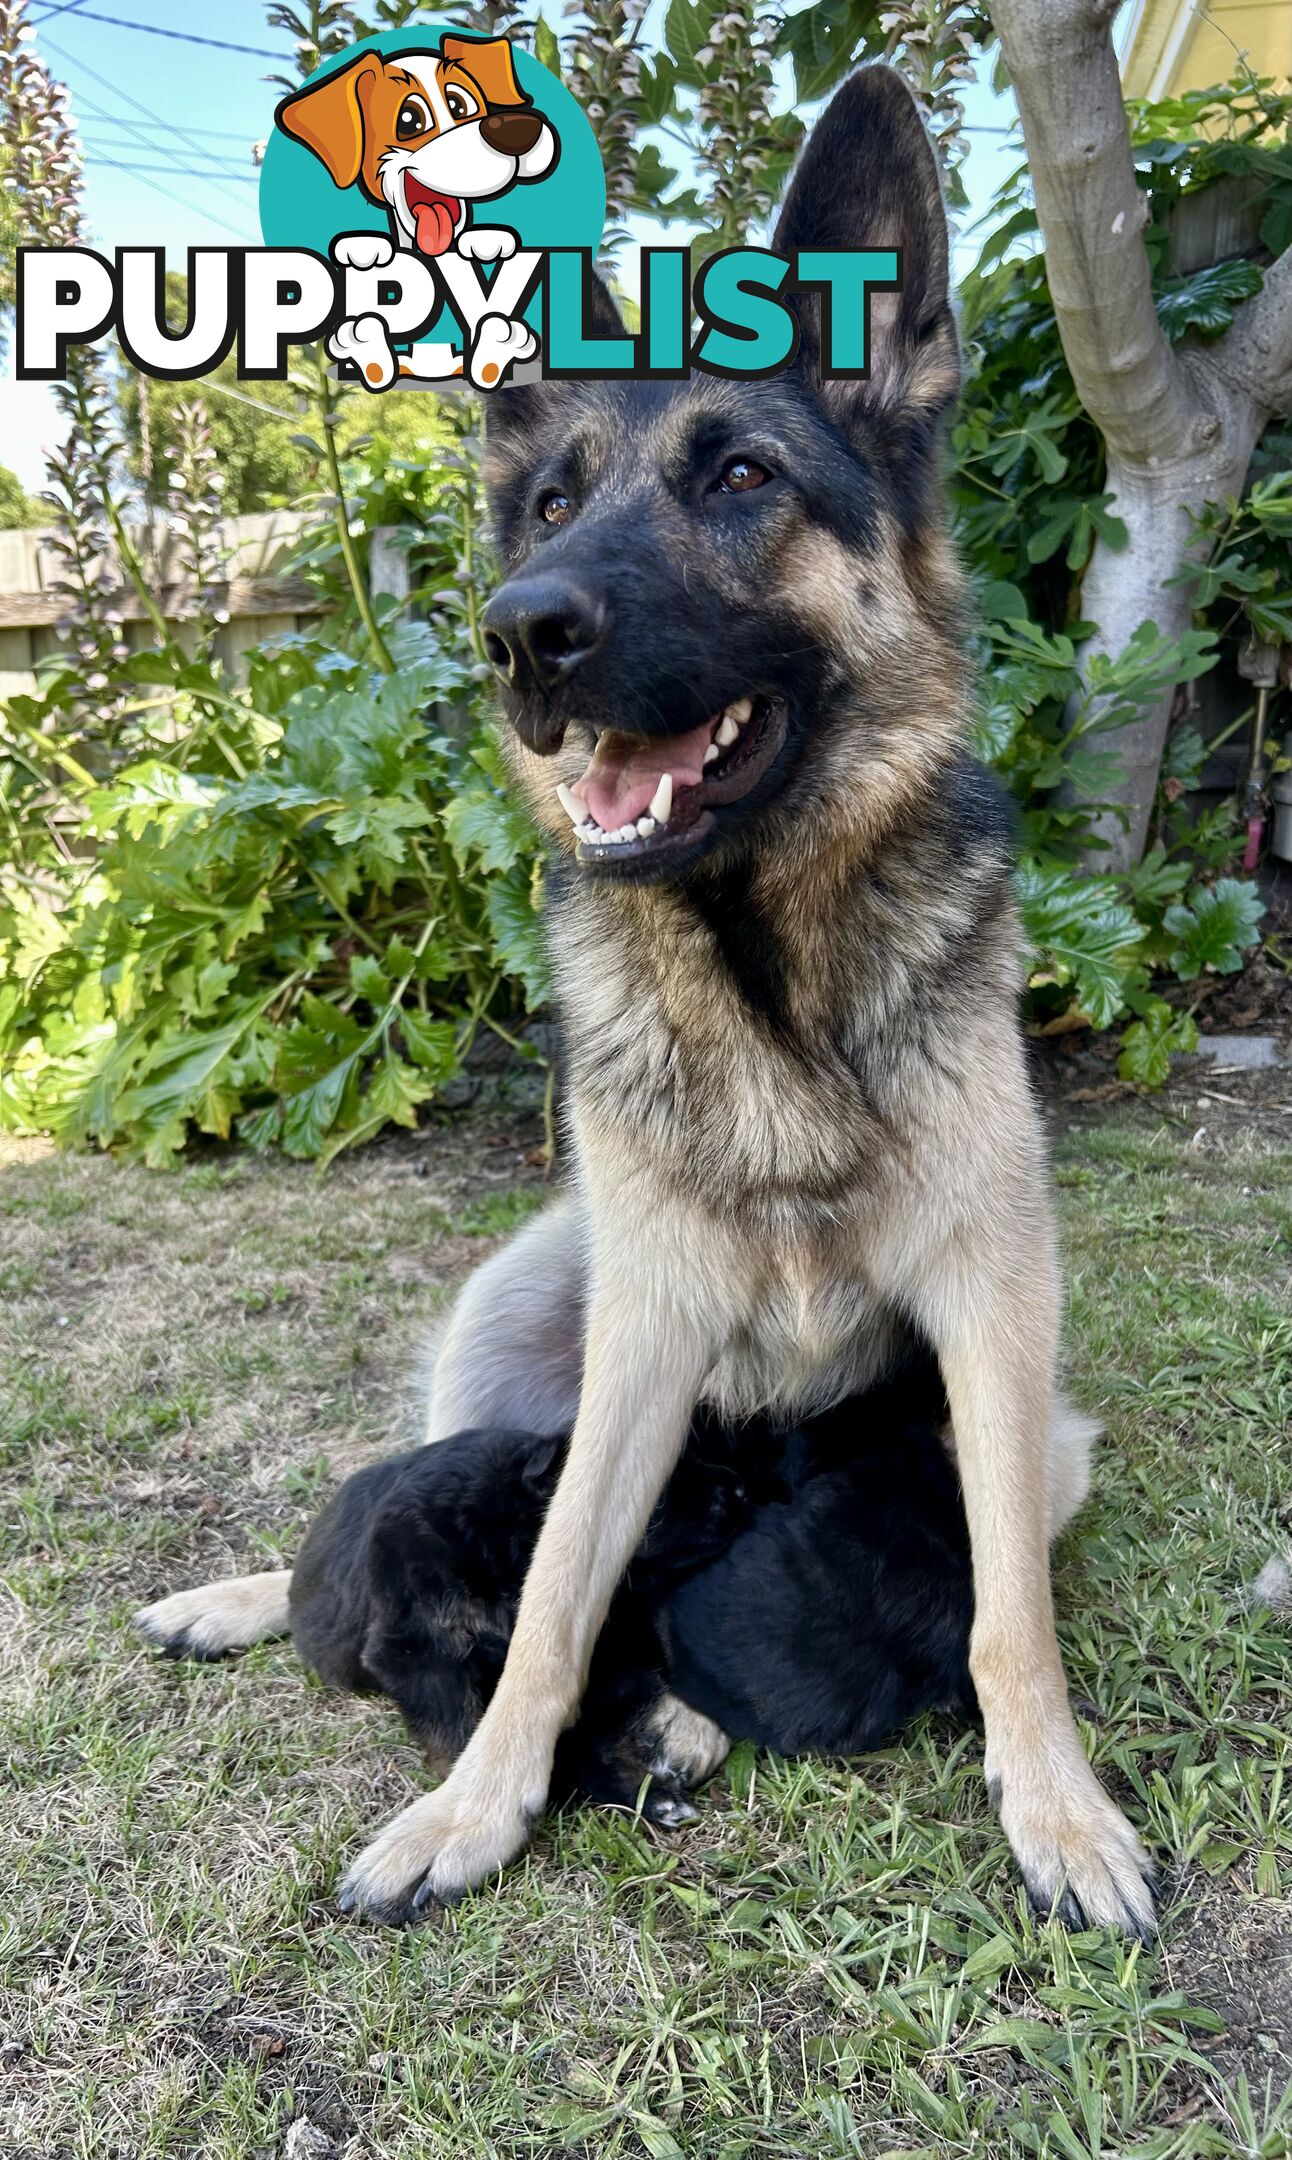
column 654, row 796
column 435, row 216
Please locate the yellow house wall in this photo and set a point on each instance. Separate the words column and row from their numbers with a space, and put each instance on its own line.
column 1177, row 45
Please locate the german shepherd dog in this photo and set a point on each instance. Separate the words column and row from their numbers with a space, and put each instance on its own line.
column 787, row 964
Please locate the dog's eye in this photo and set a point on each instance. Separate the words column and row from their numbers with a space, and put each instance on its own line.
column 555, row 508
column 461, row 104
column 741, row 473
column 413, row 118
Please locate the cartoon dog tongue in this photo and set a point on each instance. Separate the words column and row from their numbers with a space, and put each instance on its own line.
column 434, row 226
column 434, row 215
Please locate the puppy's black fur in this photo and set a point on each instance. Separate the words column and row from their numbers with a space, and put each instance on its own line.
column 806, row 1589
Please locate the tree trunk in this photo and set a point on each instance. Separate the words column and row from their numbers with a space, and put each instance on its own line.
column 1124, row 587
column 1179, row 426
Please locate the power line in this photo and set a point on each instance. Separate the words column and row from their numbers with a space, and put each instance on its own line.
column 149, row 142
column 219, row 164
column 183, row 37
column 209, row 215
column 177, row 172
column 238, row 135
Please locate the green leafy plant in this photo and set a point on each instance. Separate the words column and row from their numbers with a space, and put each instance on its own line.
column 285, row 912
column 1246, row 544
column 1097, row 943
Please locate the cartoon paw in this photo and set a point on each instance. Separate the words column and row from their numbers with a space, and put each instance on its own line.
column 363, row 251
column 499, row 343
column 487, row 243
column 364, row 340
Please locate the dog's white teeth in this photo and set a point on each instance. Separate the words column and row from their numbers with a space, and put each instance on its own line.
column 661, row 801
column 592, row 834
column 728, row 729
column 740, row 710
column 570, row 803
column 712, row 754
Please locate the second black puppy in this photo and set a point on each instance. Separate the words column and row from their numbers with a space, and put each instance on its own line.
column 807, row 1589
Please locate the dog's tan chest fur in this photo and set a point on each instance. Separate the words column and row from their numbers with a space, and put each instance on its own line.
column 731, row 1111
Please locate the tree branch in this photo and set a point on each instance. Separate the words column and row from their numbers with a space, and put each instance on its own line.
column 1092, row 212
column 1255, row 353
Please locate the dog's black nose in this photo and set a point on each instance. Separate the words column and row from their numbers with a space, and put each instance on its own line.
column 511, row 132
column 537, row 631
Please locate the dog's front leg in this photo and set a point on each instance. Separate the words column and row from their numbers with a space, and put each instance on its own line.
column 994, row 1318
column 645, row 1359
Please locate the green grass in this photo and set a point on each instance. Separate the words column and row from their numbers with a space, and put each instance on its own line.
column 834, row 1960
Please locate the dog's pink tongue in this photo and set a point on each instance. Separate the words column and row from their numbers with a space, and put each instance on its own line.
column 618, row 785
column 434, row 227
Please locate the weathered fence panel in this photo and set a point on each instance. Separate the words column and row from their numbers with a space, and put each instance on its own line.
column 260, row 597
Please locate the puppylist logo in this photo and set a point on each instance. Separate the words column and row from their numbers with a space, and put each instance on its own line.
column 431, row 205
column 438, row 171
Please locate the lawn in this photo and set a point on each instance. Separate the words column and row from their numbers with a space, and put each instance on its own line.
column 833, row 1959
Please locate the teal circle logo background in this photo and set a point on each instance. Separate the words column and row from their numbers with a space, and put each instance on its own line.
column 300, row 207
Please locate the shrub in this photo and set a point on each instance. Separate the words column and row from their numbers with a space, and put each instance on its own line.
column 283, row 913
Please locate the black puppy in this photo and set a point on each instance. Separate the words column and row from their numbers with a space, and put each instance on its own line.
column 806, row 1589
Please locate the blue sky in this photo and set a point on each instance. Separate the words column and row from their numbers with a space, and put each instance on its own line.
column 168, row 126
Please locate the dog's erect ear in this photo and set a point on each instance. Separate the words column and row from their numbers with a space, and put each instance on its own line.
column 488, row 62
column 868, row 178
column 328, row 117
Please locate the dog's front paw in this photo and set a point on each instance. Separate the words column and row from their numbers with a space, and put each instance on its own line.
column 218, row 1617
column 487, row 243
column 438, row 1849
column 365, row 341
column 499, row 342
column 1081, row 1860
column 363, row 251
column 688, row 1746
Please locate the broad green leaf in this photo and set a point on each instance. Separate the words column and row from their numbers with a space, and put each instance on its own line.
column 1150, row 1042
column 395, row 1090
column 310, row 1113
column 431, row 1044
column 1214, row 928
column 686, row 31
column 823, row 41
column 518, row 935
column 1205, row 300
column 489, row 826
column 999, row 601
column 369, row 978
column 1083, row 935
column 547, row 48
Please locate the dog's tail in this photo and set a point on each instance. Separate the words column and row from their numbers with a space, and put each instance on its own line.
column 1072, row 1438
column 220, row 1616
column 1071, row 1443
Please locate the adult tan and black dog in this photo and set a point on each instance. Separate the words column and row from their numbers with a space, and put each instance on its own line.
column 787, row 962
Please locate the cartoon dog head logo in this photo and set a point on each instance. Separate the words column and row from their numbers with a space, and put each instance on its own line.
column 425, row 134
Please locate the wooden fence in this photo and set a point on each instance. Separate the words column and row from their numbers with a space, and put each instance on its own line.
column 258, row 594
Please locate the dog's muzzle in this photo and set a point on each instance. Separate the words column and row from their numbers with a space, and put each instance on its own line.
column 537, row 632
